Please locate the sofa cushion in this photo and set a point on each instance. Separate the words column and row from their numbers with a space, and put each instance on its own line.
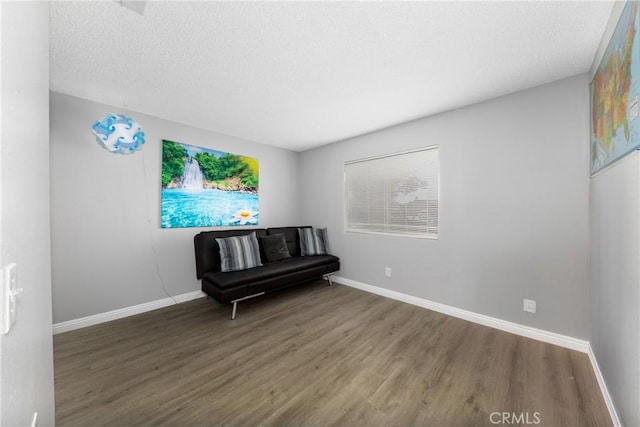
column 236, row 278
column 208, row 251
column 239, row 252
column 291, row 236
column 274, row 247
column 313, row 241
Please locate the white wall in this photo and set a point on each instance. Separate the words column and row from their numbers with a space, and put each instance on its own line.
column 513, row 209
column 615, row 272
column 108, row 250
column 26, row 352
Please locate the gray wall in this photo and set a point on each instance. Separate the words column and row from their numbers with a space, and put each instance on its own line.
column 108, row 250
column 615, row 272
column 26, row 362
column 513, row 208
column 615, row 283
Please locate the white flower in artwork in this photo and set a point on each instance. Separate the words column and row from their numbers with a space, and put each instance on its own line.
column 245, row 216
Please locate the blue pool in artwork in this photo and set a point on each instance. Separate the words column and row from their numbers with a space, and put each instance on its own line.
column 208, row 208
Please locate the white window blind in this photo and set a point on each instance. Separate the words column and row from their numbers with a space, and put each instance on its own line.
column 395, row 194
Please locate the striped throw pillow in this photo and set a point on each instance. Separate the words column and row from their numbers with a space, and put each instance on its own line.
column 313, row 241
column 239, row 252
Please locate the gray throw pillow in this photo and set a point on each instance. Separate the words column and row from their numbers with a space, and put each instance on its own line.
column 239, row 252
column 313, row 241
column 275, row 247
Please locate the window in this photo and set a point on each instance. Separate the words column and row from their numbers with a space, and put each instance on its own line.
column 395, row 194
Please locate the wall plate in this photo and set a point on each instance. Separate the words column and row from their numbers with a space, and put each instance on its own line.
column 4, row 305
column 529, row 305
column 8, row 295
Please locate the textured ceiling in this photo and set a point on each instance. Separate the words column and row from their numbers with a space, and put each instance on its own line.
column 302, row 74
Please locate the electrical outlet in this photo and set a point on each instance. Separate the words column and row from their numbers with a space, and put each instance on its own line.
column 529, row 305
column 387, row 271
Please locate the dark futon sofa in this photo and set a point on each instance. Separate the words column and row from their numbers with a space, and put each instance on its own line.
column 234, row 286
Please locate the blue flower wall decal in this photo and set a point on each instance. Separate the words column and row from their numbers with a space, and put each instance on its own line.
column 118, row 133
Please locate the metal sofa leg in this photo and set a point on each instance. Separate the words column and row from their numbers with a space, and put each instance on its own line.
column 328, row 277
column 236, row 301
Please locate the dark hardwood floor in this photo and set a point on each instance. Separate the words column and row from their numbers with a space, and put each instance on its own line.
column 315, row 356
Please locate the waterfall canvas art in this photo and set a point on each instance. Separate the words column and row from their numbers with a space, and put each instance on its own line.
column 207, row 188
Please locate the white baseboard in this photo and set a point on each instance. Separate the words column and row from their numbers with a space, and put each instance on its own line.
column 492, row 322
column 83, row 322
column 603, row 387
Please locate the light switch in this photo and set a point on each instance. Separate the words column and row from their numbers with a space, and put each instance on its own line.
column 8, row 295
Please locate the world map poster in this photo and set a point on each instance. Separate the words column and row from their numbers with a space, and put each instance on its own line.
column 615, row 127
